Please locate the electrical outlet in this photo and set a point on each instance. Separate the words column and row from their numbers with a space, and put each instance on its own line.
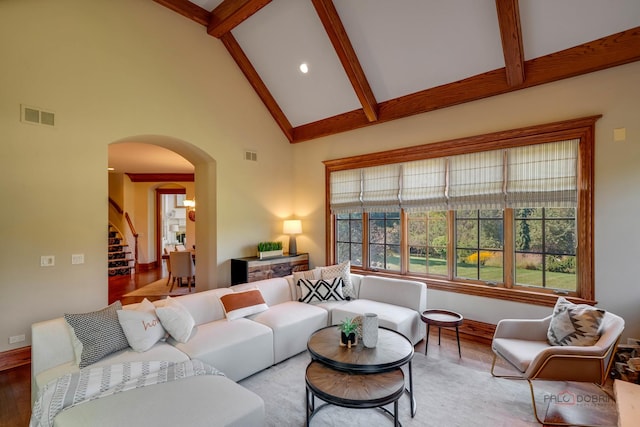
column 47, row 261
column 16, row 338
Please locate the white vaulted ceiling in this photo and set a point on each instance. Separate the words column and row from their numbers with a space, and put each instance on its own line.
column 406, row 57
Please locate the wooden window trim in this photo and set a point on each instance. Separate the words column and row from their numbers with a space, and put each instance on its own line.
column 583, row 128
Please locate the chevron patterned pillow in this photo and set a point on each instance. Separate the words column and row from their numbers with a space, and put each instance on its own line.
column 320, row 290
column 574, row 324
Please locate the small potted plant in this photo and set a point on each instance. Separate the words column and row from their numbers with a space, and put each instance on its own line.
column 348, row 332
column 269, row 249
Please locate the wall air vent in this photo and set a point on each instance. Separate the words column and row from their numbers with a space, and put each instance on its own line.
column 37, row 116
column 251, row 156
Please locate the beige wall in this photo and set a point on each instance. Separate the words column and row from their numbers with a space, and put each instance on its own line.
column 118, row 70
column 614, row 93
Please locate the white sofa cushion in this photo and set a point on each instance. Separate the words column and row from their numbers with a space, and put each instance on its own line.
column 203, row 306
column 239, row 348
column 275, row 291
column 404, row 293
column 292, row 323
column 208, row 400
column 398, row 318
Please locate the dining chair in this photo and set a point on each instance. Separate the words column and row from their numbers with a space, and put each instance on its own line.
column 182, row 266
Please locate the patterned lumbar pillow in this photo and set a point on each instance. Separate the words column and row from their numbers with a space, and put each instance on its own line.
column 342, row 270
column 176, row 319
column 321, row 290
column 243, row 303
column 141, row 326
column 314, row 274
column 574, row 324
column 99, row 332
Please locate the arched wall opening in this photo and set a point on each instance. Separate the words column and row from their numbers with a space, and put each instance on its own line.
column 205, row 195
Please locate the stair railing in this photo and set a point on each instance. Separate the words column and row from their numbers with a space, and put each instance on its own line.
column 135, row 238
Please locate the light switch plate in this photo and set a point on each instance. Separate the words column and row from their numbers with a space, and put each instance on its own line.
column 620, row 134
column 47, row 261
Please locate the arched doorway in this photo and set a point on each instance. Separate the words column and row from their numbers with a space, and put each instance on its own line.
column 205, row 194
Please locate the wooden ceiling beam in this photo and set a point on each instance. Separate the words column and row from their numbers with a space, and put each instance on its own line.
column 610, row 51
column 231, row 13
column 511, row 35
column 332, row 23
column 256, row 82
column 188, row 10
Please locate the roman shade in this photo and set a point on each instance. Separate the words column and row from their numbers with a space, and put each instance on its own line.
column 539, row 175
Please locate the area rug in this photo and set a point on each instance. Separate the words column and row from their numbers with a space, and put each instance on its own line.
column 447, row 395
column 159, row 288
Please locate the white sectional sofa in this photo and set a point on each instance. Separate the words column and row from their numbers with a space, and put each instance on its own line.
column 238, row 348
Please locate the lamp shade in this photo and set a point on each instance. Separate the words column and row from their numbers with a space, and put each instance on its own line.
column 292, row 226
column 174, row 227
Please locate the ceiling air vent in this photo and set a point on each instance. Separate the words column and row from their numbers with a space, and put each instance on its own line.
column 36, row 116
column 251, row 156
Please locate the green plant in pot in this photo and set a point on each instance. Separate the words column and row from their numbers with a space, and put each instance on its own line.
column 348, row 332
column 269, row 246
column 269, row 249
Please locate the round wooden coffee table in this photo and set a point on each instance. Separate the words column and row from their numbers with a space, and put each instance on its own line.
column 393, row 350
column 352, row 390
column 442, row 319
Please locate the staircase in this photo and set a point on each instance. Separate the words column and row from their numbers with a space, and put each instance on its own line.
column 120, row 261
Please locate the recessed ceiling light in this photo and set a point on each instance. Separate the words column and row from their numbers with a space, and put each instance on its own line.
column 304, row 68
column 111, row 169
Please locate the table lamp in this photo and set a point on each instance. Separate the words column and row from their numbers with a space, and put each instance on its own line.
column 292, row 227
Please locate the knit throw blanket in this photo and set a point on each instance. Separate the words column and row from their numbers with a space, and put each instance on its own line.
column 93, row 383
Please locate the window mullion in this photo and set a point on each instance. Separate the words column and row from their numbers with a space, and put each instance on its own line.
column 509, row 259
column 404, row 242
column 365, row 241
column 451, row 256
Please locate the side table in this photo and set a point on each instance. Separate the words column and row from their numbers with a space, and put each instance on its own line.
column 442, row 318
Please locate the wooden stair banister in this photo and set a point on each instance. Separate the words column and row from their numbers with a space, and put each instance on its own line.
column 135, row 237
column 115, row 205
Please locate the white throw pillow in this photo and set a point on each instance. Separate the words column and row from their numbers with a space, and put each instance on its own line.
column 341, row 270
column 243, row 303
column 176, row 319
column 141, row 326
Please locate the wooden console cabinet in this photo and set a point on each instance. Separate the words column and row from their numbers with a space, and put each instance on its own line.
column 251, row 269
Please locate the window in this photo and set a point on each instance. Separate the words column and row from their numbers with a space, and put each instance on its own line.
column 428, row 241
column 494, row 215
column 349, row 238
column 384, row 241
column 479, row 245
column 545, row 248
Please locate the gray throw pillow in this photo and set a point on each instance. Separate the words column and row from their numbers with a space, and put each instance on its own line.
column 99, row 332
column 574, row 324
